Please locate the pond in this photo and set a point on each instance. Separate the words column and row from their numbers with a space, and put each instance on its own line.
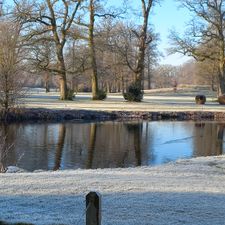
column 91, row 145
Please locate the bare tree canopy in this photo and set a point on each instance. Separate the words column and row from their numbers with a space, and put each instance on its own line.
column 143, row 41
column 75, row 40
column 10, row 65
column 204, row 38
column 50, row 21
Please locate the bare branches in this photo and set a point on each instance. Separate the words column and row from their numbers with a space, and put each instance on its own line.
column 50, row 21
column 10, row 66
column 206, row 39
column 204, row 29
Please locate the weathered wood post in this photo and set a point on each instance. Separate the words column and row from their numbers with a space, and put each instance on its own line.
column 93, row 208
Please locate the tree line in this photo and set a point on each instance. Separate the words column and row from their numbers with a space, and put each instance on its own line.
column 77, row 42
column 86, row 45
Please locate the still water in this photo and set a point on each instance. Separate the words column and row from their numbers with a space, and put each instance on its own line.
column 72, row 145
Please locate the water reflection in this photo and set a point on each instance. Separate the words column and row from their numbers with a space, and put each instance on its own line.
column 136, row 131
column 209, row 139
column 91, row 147
column 106, row 144
column 60, row 145
column 6, row 146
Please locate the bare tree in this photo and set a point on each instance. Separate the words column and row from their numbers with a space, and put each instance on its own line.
column 205, row 37
column 164, row 76
column 111, row 63
column 206, row 73
column 104, row 55
column 92, row 6
column 78, row 65
column 132, row 46
column 11, row 81
column 41, row 59
column 95, row 10
column 143, row 41
column 186, row 73
column 52, row 21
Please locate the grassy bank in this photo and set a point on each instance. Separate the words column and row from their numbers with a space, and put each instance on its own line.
column 158, row 104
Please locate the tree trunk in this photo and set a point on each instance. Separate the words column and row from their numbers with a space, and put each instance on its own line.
column 6, row 93
column 94, row 78
column 122, row 84
column 47, row 82
column 108, row 87
column 149, row 74
column 47, row 88
column 63, row 88
column 212, row 84
column 222, row 78
column 139, row 71
column 62, row 73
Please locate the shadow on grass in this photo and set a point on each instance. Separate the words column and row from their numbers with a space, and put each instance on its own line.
column 5, row 223
column 156, row 208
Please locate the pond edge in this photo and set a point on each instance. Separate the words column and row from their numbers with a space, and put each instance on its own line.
column 51, row 115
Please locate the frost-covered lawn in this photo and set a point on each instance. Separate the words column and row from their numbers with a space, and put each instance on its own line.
column 186, row 192
column 154, row 100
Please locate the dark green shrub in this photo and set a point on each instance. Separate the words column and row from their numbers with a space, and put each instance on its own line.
column 200, row 99
column 70, row 94
column 134, row 93
column 101, row 95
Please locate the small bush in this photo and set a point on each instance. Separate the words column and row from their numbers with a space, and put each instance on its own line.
column 221, row 99
column 200, row 99
column 133, row 94
column 101, row 95
column 70, row 94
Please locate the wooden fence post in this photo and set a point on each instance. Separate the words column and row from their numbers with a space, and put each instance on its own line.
column 93, row 208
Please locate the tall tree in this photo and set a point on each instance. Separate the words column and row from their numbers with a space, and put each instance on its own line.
column 205, row 37
column 143, row 41
column 53, row 19
column 92, row 51
column 95, row 10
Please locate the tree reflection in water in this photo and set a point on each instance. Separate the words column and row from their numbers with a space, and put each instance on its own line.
column 60, row 145
column 91, row 147
column 6, row 145
column 209, row 139
column 107, row 144
column 136, row 130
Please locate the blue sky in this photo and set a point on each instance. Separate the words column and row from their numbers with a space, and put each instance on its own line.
column 166, row 16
